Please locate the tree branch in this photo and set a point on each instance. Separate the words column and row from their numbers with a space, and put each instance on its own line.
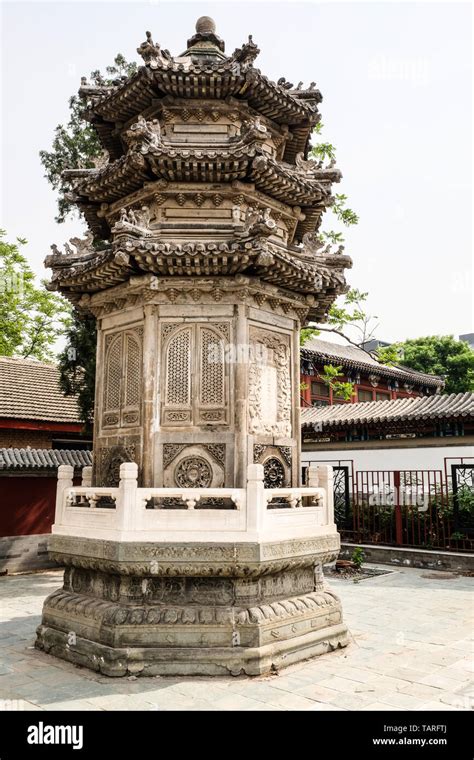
column 342, row 335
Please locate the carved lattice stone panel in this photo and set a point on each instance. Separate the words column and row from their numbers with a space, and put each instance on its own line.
column 122, row 378
column 273, row 473
column 113, row 374
column 193, row 472
column 178, row 368
column 195, row 373
column 133, row 376
column 193, row 465
column 212, row 368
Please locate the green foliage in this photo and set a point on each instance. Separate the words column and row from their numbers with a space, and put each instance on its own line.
column 358, row 557
column 31, row 318
column 307, row 333
column 389, row 355
column 438, row 355
column 77, row 364
column 352, row 313
column 330, row 375
column 323, row 151
column 76, row 145
column 465, row 500
column 344, row 214
column 333, row 237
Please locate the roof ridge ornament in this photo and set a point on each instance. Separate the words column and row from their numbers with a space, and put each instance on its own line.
column 246, row 55
column 143, row 135
column 152, row 53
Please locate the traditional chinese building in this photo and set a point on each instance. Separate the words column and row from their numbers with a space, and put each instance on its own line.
column 34, row 413
column 207, row 209
column 40, row 429
column 371, row 380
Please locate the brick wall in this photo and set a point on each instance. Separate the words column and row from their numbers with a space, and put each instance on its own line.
column 20, row 439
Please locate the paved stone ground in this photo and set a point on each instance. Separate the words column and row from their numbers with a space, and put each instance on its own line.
column 411, row 650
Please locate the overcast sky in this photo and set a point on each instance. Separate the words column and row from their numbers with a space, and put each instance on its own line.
column 396, row 84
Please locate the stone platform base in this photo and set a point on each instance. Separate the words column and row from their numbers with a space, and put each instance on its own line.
column 124, row 618
column 191, row 661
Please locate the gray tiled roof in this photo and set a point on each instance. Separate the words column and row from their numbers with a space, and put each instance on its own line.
column 356, row 358
column 43, row 459
column 29, row 390
column 439, row 407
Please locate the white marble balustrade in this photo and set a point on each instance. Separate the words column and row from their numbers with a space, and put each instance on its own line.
column 124, row 514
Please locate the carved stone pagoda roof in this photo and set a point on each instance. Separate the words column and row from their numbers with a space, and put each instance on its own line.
column 206, row 173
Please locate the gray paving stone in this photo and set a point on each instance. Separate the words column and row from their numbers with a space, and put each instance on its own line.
column 410, row 649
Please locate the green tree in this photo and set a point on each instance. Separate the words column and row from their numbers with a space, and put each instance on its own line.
column 76, row 144
column 351, row 311
column 437, row 355
column 31, row 318
column 339, row 211
column 77, row 364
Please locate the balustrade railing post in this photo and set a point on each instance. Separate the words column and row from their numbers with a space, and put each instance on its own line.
column 256, row 504
column 86, row 481
column 65, row 478
column 325, row 476
column 312, row 478
column 127, row 512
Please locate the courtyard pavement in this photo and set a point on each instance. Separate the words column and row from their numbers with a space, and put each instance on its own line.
column 411, row 650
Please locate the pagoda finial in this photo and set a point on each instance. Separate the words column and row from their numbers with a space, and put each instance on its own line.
column 205, row 44
column 205, row 25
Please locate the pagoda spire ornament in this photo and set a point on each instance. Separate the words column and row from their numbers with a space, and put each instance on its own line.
column 197, row 550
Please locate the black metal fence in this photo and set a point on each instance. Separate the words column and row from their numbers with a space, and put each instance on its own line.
column 428, row 509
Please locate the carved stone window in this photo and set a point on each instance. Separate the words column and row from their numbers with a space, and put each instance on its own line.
column 113, row 374
column 195, row 373
column 133, row 372
column 212, row 369
column 122, row 378
column 178, row 369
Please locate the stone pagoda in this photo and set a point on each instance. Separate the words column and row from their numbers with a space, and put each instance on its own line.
column 194, row 547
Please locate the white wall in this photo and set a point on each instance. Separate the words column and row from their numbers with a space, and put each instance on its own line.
column 423, row 458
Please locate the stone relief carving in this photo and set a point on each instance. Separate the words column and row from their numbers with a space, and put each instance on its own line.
column 193, row 472
column 257, row 223
column 270, row 385
column 133, row 218
column 114, row 613
column 274, row 473
column 259, row 450
column 110, row 460
column 143, row 135
column 217, row 450
column 170, row 451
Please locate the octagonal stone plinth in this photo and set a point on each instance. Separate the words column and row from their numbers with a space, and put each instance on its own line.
column 194, row 609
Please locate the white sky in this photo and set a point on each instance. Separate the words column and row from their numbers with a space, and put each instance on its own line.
column 396, row 81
